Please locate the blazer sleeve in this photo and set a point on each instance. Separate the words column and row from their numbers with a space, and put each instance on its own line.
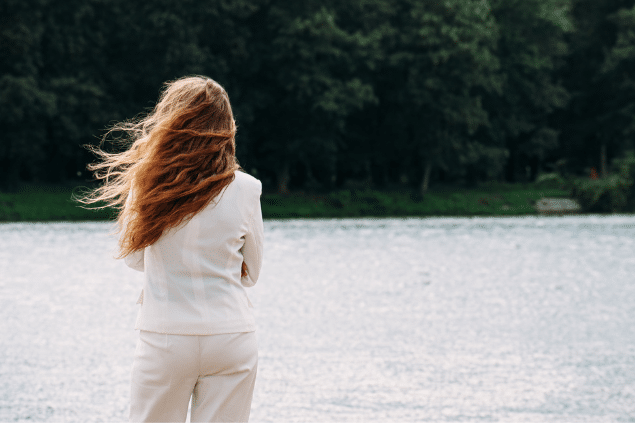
column 254, row 239
column 134, row 260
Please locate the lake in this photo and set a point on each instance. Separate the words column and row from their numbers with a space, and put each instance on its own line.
column 377, row 320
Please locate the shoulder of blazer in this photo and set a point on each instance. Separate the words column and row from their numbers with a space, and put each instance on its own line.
column 251, row 184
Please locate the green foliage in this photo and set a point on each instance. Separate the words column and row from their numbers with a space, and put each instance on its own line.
column 53, row 203
column 551, row 180
column 46, row 203
column 607, row 195
column 445, row 56
column 308, row 75
column 625, row 167
column 383, row 92
column 598, row 73
column 615, row 193
column 487, row 200
column 531, row 47
column 618, row 70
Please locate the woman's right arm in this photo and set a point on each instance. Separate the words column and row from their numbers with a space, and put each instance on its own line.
column 135, row 260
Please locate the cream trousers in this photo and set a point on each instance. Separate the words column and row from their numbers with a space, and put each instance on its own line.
column 217, row 371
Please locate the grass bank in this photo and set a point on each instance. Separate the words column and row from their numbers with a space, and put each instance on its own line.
column 486, row 200
column 53, row 203
column 45, row 203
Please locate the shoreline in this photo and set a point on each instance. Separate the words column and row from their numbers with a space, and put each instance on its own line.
column 51, row 203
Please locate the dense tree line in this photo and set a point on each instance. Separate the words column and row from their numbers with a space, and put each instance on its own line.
column 329, row 93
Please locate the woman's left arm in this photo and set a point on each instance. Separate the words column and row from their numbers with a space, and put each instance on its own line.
column 253, row 246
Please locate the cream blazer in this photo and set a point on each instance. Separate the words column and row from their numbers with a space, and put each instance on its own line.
column 193, row 283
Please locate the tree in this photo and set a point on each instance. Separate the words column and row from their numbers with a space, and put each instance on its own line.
column 593, row 128
column 24, row 102
column 440, row 64
column 618, row 73
column 305, row 84
column 531, row 49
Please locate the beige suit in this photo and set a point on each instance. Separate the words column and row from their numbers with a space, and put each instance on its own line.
column 195, row 319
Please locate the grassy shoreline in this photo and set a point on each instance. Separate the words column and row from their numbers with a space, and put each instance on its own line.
column 45, row 203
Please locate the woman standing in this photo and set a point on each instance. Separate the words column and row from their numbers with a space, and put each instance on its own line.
column 191, row 221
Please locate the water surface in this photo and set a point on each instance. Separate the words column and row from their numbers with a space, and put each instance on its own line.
column 439, row 319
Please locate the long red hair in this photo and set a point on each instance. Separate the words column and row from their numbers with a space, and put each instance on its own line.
column 182, row 155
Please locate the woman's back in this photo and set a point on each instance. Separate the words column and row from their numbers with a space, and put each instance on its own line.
column 193, row 282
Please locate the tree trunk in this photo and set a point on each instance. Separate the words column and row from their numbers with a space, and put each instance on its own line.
column 333, row 178
column 369, row 174
column 283, row 179
column 425, row 183
column 9, row 179
column 603, row 171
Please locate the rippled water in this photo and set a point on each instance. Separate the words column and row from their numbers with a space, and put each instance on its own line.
column 487, row 319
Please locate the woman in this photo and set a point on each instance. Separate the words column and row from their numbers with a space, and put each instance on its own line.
column 191, row 221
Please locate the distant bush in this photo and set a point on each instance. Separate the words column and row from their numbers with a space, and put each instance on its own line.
column 615, row 193
column 604, row 195
column 626, row 169
column 551, row 180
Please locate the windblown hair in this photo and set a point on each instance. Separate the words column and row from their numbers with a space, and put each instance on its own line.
column 182, row 156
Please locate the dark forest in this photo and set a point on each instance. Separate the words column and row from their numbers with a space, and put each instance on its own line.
column 327, row 94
